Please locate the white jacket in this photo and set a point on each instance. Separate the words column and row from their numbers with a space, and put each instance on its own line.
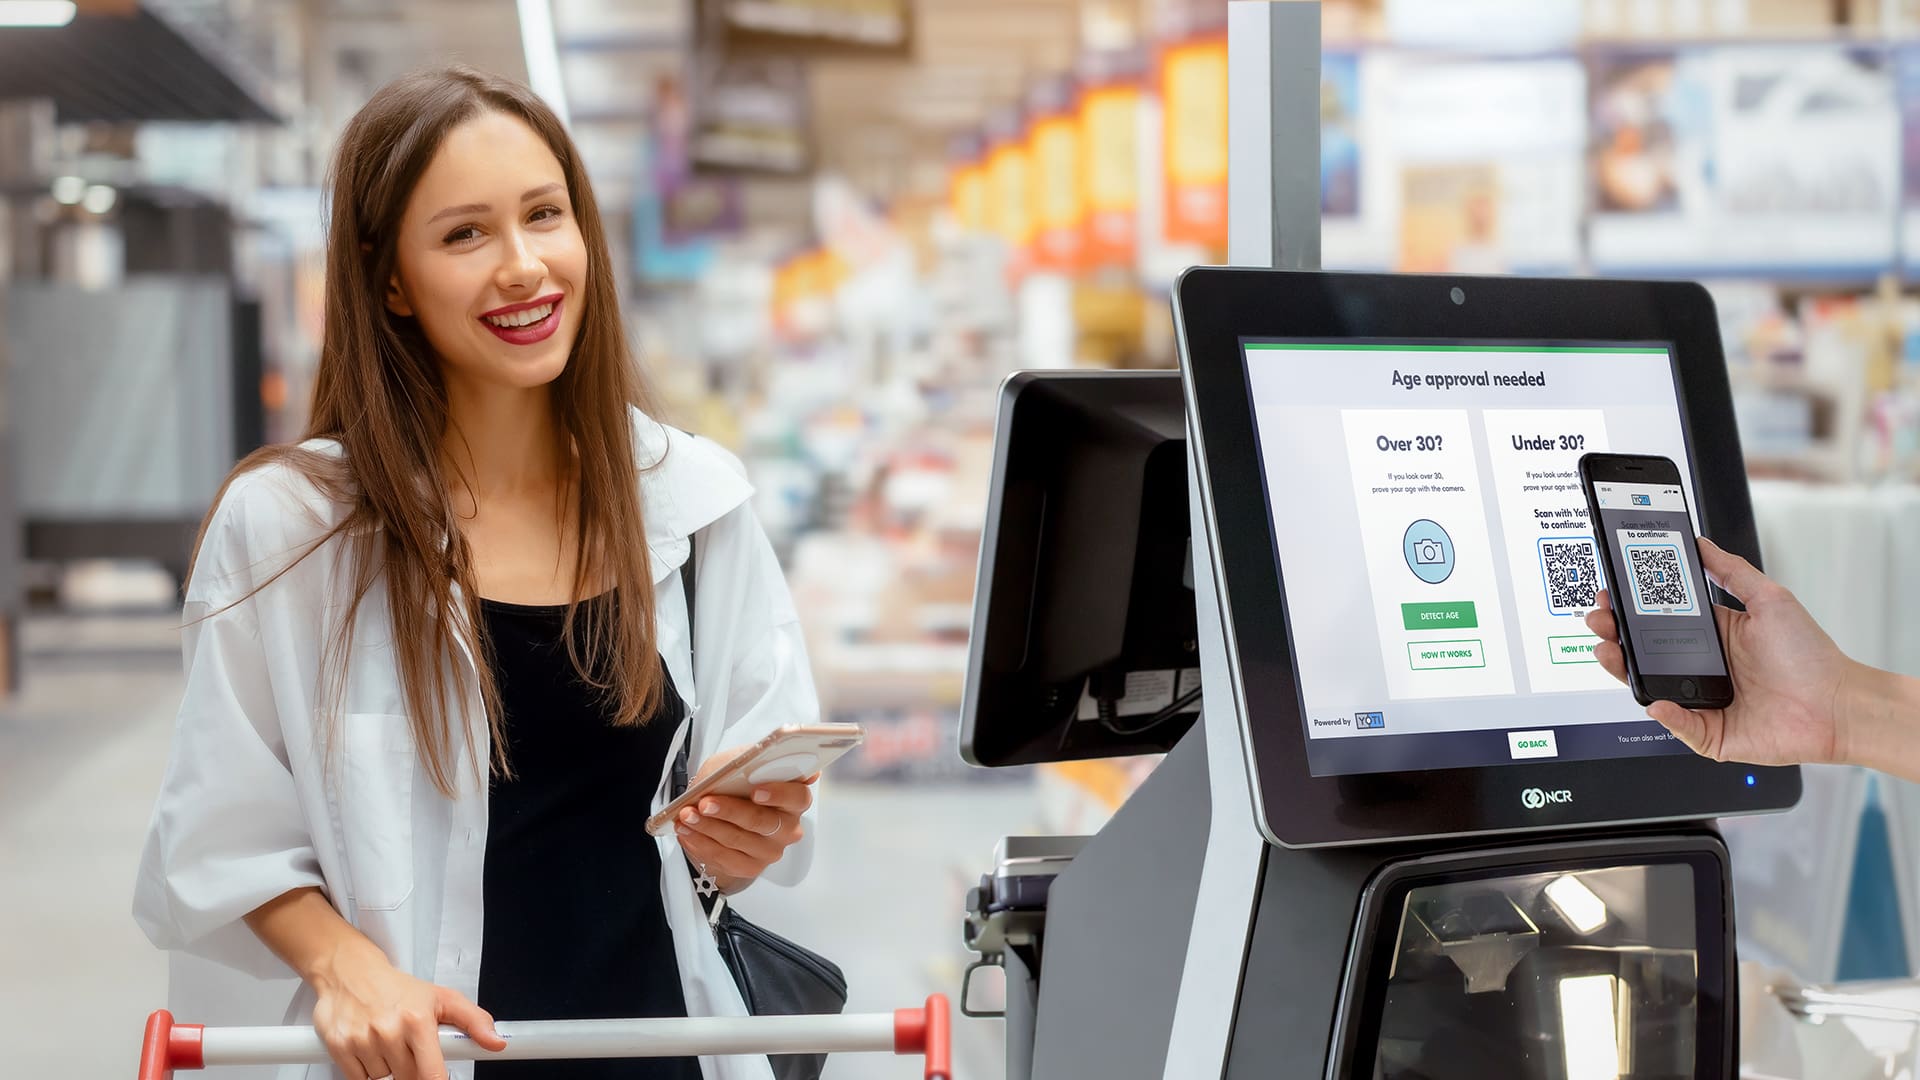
column 253, row 804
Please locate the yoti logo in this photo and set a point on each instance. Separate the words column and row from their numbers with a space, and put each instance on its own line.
column 1534, row 798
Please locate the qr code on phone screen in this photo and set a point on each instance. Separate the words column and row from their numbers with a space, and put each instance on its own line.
column 1572, row 572
column 1659, row 581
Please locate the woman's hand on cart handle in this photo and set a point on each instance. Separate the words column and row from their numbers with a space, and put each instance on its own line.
column 377, row 1021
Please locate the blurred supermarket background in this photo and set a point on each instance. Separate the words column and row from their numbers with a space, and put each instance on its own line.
column 838, row 224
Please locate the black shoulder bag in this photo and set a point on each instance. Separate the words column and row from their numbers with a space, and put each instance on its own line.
column 776, row 977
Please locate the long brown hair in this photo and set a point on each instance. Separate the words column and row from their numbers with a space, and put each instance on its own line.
column 378, row 392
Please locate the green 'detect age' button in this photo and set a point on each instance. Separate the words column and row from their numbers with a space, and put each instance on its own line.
column 1457, row 616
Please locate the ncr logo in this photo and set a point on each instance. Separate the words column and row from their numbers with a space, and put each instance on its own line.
column 1535, row 798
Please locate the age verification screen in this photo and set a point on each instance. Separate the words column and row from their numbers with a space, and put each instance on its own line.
column 1435, row 549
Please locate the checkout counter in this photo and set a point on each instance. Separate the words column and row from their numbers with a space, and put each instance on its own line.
column 1405, row 827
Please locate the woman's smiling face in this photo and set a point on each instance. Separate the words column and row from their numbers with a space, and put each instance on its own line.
column 490, row 260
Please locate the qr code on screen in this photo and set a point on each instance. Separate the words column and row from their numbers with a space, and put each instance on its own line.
column 1572, row 572
column 1659, row 581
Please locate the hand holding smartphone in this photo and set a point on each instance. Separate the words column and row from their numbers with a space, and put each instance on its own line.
column 1668, row 632
column 787, row 754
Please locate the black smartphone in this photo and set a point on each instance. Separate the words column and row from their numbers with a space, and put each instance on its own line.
column 1660, row 602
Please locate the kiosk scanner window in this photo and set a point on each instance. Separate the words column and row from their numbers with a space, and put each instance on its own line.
column 1574, row 972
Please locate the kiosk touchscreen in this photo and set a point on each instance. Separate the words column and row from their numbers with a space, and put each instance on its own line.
column 1389, row 471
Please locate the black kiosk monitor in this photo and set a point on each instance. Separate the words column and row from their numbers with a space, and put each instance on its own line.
column 1388, row 471
column 1417, row 833
column 1084, row 640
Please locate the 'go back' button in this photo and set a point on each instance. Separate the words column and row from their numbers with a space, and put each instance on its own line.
column 1532, row 744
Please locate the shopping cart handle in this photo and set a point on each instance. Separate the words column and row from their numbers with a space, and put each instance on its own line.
column 169, row 1046
column 925, row 1031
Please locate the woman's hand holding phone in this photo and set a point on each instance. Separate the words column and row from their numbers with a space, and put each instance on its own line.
column 734, row 840
column 1789, row 677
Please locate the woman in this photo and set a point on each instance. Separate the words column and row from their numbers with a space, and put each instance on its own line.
column 437, row 654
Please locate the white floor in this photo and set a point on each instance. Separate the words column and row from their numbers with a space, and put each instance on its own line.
column 80, row 756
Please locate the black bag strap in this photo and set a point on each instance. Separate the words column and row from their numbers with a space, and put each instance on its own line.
column 711, row 899
column 689, row 578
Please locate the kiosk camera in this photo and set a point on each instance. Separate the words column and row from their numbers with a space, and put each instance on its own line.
column 1417, row 832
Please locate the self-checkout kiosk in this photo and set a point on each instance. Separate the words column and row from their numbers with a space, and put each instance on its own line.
column 1405, row 826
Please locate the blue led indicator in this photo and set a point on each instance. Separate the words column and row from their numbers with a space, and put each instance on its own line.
column 1750, row 780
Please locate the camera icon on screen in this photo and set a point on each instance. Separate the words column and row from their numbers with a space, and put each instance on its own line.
column 1428, row 551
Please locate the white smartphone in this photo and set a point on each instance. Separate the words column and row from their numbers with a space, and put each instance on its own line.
column 786, row 754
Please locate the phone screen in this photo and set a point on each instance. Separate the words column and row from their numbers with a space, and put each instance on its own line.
column 1659, row 591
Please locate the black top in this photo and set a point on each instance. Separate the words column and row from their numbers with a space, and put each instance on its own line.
column 574, row 926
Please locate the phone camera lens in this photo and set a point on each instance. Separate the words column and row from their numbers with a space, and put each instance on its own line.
column 1459, row 295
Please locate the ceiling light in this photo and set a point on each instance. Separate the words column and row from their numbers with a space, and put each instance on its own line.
column 1576, row 903
column 37, row 12
column 1589, row 1032
column 99, row 199
column 542, row 53
column 69, row 190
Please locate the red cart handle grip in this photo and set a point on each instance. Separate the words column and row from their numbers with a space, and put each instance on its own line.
column 169, row 1046
column 927, row 1031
